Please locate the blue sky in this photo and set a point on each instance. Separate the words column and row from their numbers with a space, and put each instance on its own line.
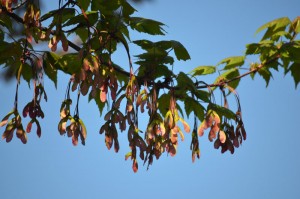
column 266, row 166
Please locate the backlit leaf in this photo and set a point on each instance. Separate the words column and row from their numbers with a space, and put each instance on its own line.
column 232, row 62
column 266, row 74
column 203, row 70
column 180, row 51
column 148, row 26
column 295, row 72
column 274, row 27
column 192, row 105
column 50, row 71
column 80, row 19
column 84, row 4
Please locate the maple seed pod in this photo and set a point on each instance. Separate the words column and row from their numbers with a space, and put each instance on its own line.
column 222, row 137
column 135, row 166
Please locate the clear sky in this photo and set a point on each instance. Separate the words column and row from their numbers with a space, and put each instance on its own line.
column 266, row 166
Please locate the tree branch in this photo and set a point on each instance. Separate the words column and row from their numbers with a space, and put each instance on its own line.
column 159, row 84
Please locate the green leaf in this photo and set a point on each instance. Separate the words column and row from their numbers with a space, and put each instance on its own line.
column 274, row 27
column 280, row 34
column 266, row 74
column 80, row 19
column 221, row 111
column 185, row 82
column 191, row 105
column 82, row 33
column 84, row 4
column 69, row 63
column 203, row 70
column 295, row 26
column 5, row 21
column 50, row 71
column 106, row 7
column 127, row 9
column 163, row 46
column 295, row 72
column 202, row 95
column 229, row 75
column 253, row 48
column 27, row 72
column 144, row 44
column 97, row 100
column 60, row 16
column 180, row 51
column 148, row 26
column 164, row 103
column 232, row 62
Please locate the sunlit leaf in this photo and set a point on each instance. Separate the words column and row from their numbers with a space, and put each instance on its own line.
column 222, row 111
column 295, row 72
column 266, row 74
column 203, row 70
column 232, row 62
column 274, row 27
column 295, row 25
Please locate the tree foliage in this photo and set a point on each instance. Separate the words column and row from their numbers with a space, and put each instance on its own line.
column 83, row 35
